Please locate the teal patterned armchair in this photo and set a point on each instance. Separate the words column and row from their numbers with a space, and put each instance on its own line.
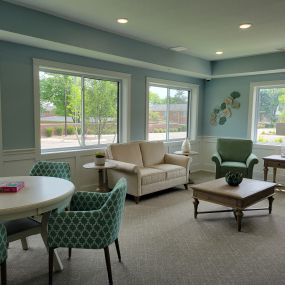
column 234, row 155
column 3, row 254
column 52, row 169
column 93, row 222
column 22, row 228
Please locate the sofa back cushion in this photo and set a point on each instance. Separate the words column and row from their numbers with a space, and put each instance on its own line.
column 126, row 152
column 152, row 153
column 234, row 149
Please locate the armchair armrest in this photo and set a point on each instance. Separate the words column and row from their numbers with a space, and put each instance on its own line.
column 217, row 158
column 125, row 166
column 176, row 159
column 88, row 201
column 251, row 160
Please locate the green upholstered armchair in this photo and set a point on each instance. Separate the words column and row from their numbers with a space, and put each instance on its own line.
column 93, row 222
column 22, row 228
column 3, row 254
column 234, row 155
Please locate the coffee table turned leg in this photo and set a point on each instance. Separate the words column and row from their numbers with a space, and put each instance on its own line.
column 239, row 215
column 270, row 200
column 196, row 203
column 234, row 211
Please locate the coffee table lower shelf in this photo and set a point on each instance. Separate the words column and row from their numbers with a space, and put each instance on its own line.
column 238, row 213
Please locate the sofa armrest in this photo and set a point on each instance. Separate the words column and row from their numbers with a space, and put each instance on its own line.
column 217, row 158
column 125, row 166
column 176, row 159
column 251, row 160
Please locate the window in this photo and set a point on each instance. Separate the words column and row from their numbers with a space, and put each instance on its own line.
column 268, row 118
column 169, row 115
column 78, row 110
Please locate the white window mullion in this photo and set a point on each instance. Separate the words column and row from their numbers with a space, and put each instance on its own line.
column 83, row 127
column 167, row 114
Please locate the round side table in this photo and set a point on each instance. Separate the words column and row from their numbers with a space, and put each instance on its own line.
column 102, row 173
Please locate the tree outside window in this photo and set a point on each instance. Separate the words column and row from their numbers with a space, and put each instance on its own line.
column 270, row 112
column 77, row 111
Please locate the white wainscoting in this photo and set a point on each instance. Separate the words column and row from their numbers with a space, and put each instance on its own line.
column 195, row 146
column 20, row 161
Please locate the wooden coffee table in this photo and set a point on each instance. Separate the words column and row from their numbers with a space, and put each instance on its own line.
column 238, row 198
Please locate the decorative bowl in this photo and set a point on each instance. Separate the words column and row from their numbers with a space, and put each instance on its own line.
column 234, row 178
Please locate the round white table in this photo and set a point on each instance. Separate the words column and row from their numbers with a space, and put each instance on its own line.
column 39, row 196
column 103, row 183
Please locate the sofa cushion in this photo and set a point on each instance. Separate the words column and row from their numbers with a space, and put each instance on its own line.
column 172, row 171
column 126, row 152
column 152, row 153
column 151, row 175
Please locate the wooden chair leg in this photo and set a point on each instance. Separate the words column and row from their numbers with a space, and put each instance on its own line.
column 69, row 252
column 3, row 273
column 25, row 244
column 118, row 249
column 108, row 264
column 50, row 265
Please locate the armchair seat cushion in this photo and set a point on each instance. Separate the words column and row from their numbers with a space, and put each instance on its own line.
column 151, row 175
column 172, row 171
column 233, row 164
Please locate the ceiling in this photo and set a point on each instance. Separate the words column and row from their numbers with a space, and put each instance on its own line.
column 202, row 26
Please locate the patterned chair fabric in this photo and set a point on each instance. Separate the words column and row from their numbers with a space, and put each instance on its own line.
column 3, row 243
column 93, row 220
column 52, row 169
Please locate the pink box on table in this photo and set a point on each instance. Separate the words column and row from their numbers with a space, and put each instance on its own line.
column 11, row 186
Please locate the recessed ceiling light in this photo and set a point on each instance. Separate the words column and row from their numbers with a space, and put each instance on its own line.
column 219, row 52
column 245, row 26
column 122, row 20
column 179, row 48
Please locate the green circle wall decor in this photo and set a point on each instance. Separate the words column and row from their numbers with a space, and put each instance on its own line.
column 221, row 113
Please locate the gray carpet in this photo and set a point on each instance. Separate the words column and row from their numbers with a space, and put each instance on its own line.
column 161, row 243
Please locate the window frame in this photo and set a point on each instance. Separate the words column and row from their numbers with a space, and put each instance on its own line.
column 192, row 108
column 253, row 103
column 124, row 100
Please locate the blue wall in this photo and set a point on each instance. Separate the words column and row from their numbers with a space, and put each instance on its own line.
column 16, row 81
column 217, row 90
column 53, row 30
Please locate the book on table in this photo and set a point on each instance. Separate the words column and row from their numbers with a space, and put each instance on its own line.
column 14, row 186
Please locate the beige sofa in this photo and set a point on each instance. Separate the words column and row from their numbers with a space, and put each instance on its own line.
column 147, row 167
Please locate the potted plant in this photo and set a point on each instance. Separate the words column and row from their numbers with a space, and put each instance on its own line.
column 100, row 158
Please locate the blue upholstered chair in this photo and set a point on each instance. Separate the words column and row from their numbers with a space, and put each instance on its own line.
column 93, row 222
column 234, row 155
column 22, row 228
column 3, row 254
